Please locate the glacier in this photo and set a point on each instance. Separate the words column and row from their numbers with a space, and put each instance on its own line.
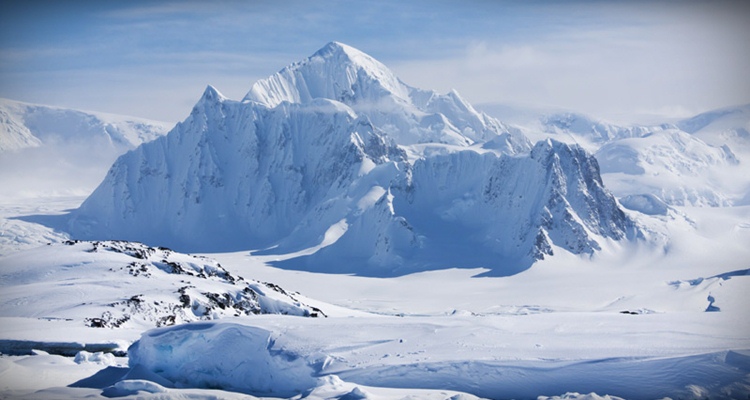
column 339, row 166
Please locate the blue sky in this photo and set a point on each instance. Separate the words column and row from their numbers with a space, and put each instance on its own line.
column 612, row 59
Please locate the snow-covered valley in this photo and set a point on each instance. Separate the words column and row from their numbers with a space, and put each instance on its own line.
column 393, row 242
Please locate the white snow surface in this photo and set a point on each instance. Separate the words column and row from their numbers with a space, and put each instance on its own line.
column 264, row 357
column 556, row 330
column 114, row 284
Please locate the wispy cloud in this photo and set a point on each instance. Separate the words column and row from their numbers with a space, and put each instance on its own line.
column 681, row 62
column 596, row 56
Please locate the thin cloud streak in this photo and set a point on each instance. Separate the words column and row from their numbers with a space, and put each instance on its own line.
column 599, row 57
column 614, row 72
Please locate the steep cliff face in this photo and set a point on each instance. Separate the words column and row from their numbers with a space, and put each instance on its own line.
column 243, row 174
column 338, row 165
column 480, row 210
column 517, row 207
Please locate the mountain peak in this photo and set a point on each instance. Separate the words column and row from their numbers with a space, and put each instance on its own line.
column 337, row 72
column 338, row 48
column 212, row 94
column 343, row 74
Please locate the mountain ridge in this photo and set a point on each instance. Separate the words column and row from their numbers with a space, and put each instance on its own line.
column 407, row 114
column 25, row 125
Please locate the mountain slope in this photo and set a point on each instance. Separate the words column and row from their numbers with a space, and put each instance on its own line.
column 596, row 131
column 480, row 210
column 336, row 184
column 673, row 165
column 113, row 284
column 14, row 135
column 408, row 115
column 729, row 119
column 30, row 125
column 239, row 168
column 695, row 162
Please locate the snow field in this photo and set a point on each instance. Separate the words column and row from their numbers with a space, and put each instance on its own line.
column 644, row 356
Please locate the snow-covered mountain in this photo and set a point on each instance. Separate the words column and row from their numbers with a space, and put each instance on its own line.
column 597, row 131
column 697, row 161
column 339, row 165
column 406, row 114
column 468, row 208
column 113, row 284
column 675, row 166
column 728, row 123
column 25, row 125
column 14, row 134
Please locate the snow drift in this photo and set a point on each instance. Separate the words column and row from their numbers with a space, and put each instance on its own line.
column 470, row 354
column 245, row 359
column 336, row 161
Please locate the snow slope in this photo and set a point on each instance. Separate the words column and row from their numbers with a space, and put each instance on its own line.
column 14, row 134
column 557, row 329
column 115, row 284
column 729, row 125
column 593, row 130
column 340, row 167
column 675, row 166
column 56, row 151
column 30, row 125
column 58, row 154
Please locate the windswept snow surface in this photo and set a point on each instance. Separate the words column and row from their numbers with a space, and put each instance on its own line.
column 486, row 356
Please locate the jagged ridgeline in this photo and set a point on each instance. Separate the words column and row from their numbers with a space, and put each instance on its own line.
column 335, row 160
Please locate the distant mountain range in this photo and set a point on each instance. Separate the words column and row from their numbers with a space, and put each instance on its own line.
column 697, row 161
column 25, row 125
